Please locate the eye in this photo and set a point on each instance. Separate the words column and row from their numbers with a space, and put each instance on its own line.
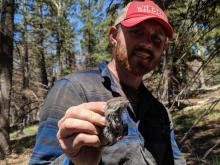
column 137, row 32
column 156, row 38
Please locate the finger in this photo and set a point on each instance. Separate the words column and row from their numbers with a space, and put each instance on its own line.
column 86, row 140
column 61, row 121
column 98, row 107
column 71, row 126
column 85, row 114
column 72, row 145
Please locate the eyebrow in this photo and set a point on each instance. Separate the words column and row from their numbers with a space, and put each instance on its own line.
column 160, row 30
column 157, row 31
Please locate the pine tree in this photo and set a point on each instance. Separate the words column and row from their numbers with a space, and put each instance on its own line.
column 6, row 63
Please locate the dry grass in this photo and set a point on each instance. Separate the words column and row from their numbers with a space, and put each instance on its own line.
column 18, row 159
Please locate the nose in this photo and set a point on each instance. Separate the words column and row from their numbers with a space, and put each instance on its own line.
column 146, row 39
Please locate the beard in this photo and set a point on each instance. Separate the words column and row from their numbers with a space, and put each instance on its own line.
column 140, row 61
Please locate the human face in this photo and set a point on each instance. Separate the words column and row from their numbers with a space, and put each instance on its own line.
column 139, row 48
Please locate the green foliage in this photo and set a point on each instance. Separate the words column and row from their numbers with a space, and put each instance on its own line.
column 97, row 17
column 26, row 140
column 31, row 130
column 90, row 15
column 215, row 161
column 196, row 36
column 195, row 23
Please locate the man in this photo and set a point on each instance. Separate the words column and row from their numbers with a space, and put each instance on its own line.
column 74, row 109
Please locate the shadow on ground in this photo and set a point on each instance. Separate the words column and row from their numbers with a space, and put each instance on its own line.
column 21, row 144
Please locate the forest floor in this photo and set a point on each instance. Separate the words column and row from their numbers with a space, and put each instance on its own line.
column 197, row 129
column 199, row 122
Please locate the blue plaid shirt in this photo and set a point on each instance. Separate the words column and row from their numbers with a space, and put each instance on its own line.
column 150, row 139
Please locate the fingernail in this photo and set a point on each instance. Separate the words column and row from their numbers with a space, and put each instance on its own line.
column 104, row 107
column 103, row 120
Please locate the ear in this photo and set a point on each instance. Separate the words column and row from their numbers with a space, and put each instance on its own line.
column 166, row 44
column 112, row 35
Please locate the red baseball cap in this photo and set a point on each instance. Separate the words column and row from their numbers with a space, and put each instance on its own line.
column 138, row 11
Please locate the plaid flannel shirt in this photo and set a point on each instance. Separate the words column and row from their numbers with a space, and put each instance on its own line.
column 150, row 140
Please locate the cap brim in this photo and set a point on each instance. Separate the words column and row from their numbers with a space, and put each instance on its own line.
column 136, row 20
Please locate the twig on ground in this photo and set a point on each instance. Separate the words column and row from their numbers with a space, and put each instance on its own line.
column 210, row 150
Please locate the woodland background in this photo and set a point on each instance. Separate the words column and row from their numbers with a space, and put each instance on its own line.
column 43, row 40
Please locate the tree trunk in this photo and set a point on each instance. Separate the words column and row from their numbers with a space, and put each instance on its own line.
column 166, row 93
column 25, row 73
column 6, row 64
column 25, row 58
column 71, row 63
column 42, row 63
column 202, row 80
column 58, row 52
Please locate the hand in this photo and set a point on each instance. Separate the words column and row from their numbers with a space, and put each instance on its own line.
column 78, row 132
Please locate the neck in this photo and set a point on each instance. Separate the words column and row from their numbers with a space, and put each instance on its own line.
column 124, row 76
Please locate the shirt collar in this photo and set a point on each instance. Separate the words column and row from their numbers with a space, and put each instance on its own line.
column 106, row 74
